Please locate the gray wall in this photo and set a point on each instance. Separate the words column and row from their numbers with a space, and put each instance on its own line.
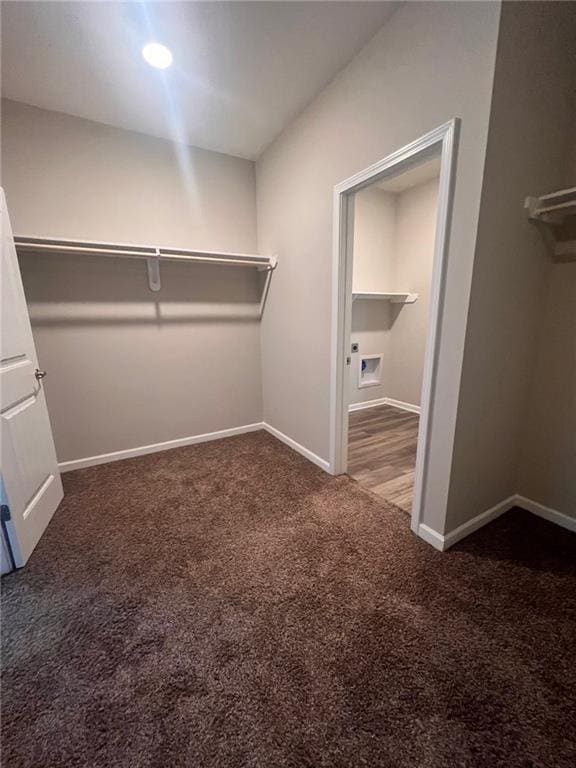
column 374, row 239
column 393, row 251
column 371, row 330
column 548, row 458
column 430, row 63
column 128, row 367
column 548, row 445
column 416, row 212
column 527, row 150
column 373, row 251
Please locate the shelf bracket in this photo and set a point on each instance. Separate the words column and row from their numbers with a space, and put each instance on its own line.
column 266, row 287
column 393, row 298
column 410, row 298
column 271, row 266
column 153, row 264
column 554, row 215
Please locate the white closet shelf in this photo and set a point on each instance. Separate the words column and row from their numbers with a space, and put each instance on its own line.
column 394, row 297
column 153, row 254
column 555, row 215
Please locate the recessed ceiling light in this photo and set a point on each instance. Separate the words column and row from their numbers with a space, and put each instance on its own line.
column 157, row 55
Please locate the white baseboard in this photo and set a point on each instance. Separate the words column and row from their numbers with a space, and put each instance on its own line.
column 142, row 450
column 443, row 542
column 129, row 453
column 402, row 405
column 367, row 404
column 478, row 522
column 322, row 463
column 547, row 513
column 431, row 537
column 384, row 401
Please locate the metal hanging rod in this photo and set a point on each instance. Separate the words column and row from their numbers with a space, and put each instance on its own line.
column 153, row 255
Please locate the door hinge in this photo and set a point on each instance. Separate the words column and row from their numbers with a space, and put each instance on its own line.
column 5, row 513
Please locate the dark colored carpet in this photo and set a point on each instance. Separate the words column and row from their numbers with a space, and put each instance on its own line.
column 231, row 605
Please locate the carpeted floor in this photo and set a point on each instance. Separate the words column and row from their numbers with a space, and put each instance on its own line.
column 229, row 605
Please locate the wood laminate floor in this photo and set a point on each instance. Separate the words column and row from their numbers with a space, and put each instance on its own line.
column 382, row 452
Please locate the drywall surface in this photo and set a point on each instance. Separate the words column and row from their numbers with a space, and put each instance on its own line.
column 69, row 177
column 374, row 239
column 393, row 251
column 416, row 212
column 128, row 367
column 430, row 63
column 527, row 150
column 548, row 459
column 371, row 330
column 374, row 242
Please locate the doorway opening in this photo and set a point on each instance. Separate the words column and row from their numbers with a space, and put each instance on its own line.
column 392, row 254
column 391, row 224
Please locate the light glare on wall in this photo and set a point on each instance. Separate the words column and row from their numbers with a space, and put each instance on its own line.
column 157, row 55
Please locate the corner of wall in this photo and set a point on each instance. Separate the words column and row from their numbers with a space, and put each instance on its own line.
column 529, row 122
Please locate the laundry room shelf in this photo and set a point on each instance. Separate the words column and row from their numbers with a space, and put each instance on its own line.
column 555, row 216
column 394, row 297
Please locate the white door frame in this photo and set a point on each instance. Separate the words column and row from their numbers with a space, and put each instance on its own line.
column 443, row 139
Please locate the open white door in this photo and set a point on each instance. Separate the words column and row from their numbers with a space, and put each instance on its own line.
column 30, row 475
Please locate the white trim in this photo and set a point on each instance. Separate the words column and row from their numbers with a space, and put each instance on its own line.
column 402, row 405
column 394, row 297
column 142, row 450
column 431, row 537
column 445, row 137
column 479, row 521
column 384, row 401
column 375, row 382
column 552, row 515
column 444, row 542
column 131, row 250
column 367, row 404
column 322, row 463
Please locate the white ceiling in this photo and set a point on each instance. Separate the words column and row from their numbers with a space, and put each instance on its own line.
column 418, row 174
column 241, row 72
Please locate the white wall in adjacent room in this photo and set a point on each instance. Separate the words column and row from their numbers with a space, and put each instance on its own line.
column 373, row 251
column 416, row 211
column 393, row 251
column 374, row 239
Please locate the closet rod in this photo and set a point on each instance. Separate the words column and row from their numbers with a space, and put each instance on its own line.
column 37, row 245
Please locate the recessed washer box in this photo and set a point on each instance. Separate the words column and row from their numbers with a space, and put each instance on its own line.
column 370, row 371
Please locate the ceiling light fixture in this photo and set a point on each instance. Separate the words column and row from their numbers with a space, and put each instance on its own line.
column 157, row 55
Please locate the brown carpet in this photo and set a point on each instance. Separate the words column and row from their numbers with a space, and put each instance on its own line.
column 229, row 604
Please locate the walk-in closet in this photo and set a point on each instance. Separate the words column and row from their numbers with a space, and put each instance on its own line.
column 288, row 384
